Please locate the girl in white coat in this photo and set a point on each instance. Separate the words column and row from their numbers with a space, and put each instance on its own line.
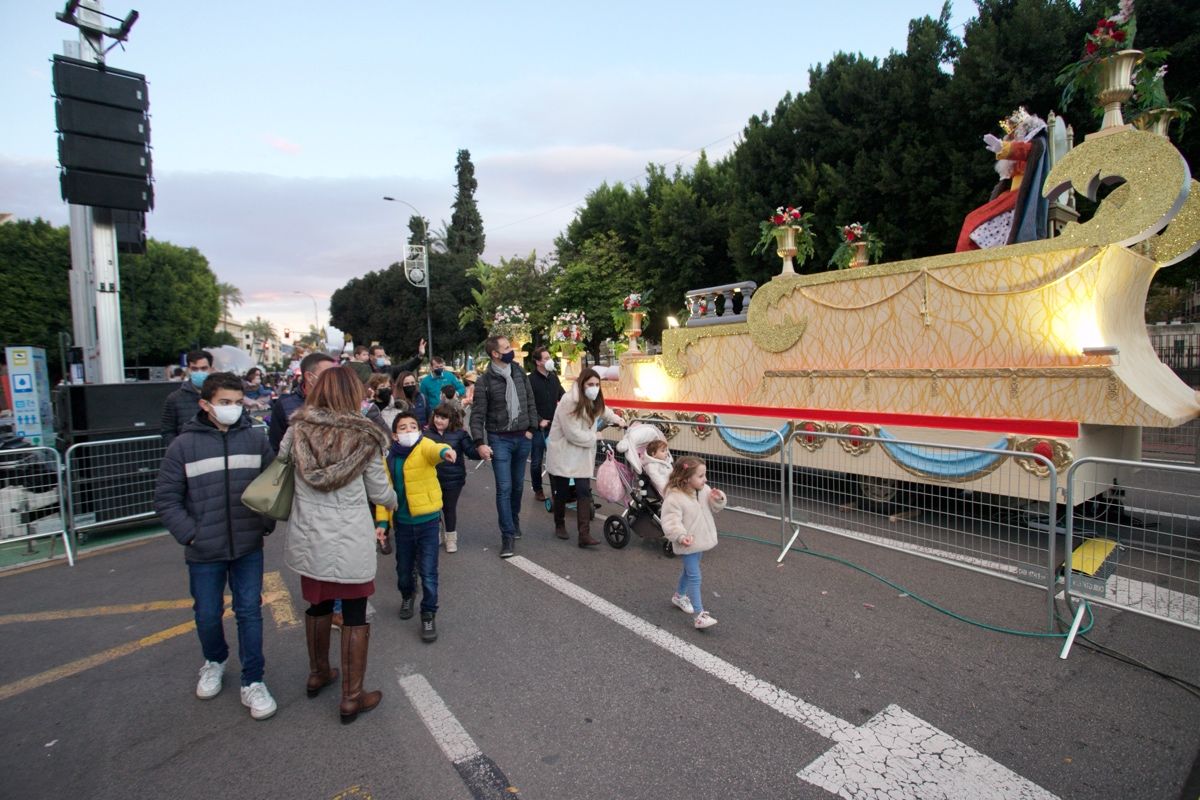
column 687, row 520
column 571, row 452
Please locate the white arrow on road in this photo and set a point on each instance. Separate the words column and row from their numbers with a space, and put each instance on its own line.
column 894, row 755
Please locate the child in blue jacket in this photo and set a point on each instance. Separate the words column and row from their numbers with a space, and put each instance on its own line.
column 446, row 427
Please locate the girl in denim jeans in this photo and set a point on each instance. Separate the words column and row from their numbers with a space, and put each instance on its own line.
column 687, row 520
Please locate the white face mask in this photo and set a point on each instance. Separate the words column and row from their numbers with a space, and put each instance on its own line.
column 592, row 392
column 227, row 415
column 408, row 439
column 548, row 365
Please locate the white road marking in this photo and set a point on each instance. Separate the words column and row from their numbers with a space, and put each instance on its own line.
column 449, row 734
column 895, row 755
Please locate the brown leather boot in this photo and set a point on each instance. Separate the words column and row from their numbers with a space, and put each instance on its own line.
column 355, row 641
column 583, row 522
column 316, row 631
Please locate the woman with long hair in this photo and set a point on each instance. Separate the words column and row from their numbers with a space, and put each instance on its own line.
column 337, row 454
column 571, row 452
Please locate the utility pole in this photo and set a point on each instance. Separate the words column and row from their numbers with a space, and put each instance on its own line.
column 95, row 278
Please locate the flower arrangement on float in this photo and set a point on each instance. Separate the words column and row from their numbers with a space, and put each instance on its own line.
column 511, row 322
column 790, row 230
column 629, row 316
column 569, row 332
column 858, row 246
column 1150, row 108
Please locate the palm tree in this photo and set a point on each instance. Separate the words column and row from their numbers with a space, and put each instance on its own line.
column 260, row 330
column 230, row 296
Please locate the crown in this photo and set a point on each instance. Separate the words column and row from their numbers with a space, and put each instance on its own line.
column 1014, row 120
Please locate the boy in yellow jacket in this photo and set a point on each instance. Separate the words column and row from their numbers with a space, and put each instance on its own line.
column 412, row 464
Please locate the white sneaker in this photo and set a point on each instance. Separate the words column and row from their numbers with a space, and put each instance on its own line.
column 683, row 603
column 211, row 675
column 256, row 698
column 703, row 620
column 451, row 542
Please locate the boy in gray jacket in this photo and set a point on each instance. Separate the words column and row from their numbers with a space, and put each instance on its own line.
column 198, row 497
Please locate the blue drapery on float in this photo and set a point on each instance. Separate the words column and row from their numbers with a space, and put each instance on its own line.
column 943, row 463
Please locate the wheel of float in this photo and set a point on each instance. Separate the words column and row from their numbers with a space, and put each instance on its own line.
column 616, row 531
column 668, row 550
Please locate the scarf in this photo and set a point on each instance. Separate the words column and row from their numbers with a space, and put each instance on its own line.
column 398, row 450
column 511, row 398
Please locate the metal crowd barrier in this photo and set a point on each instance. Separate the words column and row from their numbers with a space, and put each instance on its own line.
column 1000, row 519
column 1179, row 445
column 1136, row 545
column 749, row 464
column 32, row 501
column 111, row 482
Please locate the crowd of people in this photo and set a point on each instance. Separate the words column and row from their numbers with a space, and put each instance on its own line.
column 379, row 461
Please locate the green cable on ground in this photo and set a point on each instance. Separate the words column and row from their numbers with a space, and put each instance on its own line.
column 928, row 603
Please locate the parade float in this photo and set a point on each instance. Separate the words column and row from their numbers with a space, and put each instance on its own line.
column 1038, row 346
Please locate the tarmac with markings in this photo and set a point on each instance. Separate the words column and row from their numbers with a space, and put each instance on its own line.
column 566, row 673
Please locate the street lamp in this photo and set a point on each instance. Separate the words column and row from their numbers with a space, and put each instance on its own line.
column 419, row 275
column 316, row 314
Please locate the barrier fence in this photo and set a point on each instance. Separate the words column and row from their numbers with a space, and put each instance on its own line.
column 996, row 517
column 1137, row 545
column 112, row 482
column 32, row 504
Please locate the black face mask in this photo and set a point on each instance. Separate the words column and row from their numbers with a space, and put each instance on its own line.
column 409, row 391
column 383, row 396
column 508, row 357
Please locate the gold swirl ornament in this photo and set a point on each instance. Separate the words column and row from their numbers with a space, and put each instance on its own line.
column 1157, row 183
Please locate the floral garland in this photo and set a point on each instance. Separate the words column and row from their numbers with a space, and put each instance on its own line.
column 850, row 235
column 782, row 219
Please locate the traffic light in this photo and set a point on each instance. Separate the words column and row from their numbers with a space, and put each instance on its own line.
column 104, row 136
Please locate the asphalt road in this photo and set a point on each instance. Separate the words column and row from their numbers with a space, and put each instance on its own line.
column 565, row 696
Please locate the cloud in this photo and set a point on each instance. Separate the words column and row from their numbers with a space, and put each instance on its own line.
column 282, row 145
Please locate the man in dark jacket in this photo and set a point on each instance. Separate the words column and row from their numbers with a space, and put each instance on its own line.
column 182, row 404
column 547, row 391
column 198, row 497
column 503, row 423
column 311, row 366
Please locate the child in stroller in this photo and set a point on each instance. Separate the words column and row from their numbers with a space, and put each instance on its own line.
column 645, row 448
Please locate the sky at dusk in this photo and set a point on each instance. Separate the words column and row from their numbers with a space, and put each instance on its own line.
column 277, row 127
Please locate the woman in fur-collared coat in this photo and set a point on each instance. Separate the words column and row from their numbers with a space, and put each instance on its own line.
column 337, row 455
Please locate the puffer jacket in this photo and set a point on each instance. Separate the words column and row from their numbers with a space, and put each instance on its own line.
column 338, row 459
column 489, row 411
column 571, row 449
column 198, row 493
column 179, row 409
column 454, row 474
column 691, row 512
column 415, row 482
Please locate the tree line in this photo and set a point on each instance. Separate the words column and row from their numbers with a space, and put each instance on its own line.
column 893, row 142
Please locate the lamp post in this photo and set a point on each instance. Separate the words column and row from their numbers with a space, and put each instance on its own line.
column 423, row 278
column 316, row 313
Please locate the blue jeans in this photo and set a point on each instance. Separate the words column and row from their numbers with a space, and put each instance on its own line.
column 537, row 455
column 418, row 544
column 689, row 580
column 245, row 577
column 509, row 454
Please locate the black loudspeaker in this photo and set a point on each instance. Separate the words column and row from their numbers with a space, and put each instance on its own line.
column 131, row 238
column 92, row 153
column 85, row 80
column 106, row 191
column 107, row 122
column 90, row 412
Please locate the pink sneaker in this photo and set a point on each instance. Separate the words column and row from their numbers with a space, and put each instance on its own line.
column 703, row 620
column 683, row 603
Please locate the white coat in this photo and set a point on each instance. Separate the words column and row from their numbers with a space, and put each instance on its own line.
column 658, row 470
column 571, row 450
column 691, row 512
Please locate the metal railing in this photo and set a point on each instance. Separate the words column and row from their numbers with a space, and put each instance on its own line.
column 1179, row 445
column 32, row 501
column 1136, row 545
column 111, row 482
column 1001, row 519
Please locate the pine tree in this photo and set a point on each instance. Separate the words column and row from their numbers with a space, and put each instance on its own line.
column 466, row 226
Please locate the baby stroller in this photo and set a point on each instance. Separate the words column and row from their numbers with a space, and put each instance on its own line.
column 642, row 501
